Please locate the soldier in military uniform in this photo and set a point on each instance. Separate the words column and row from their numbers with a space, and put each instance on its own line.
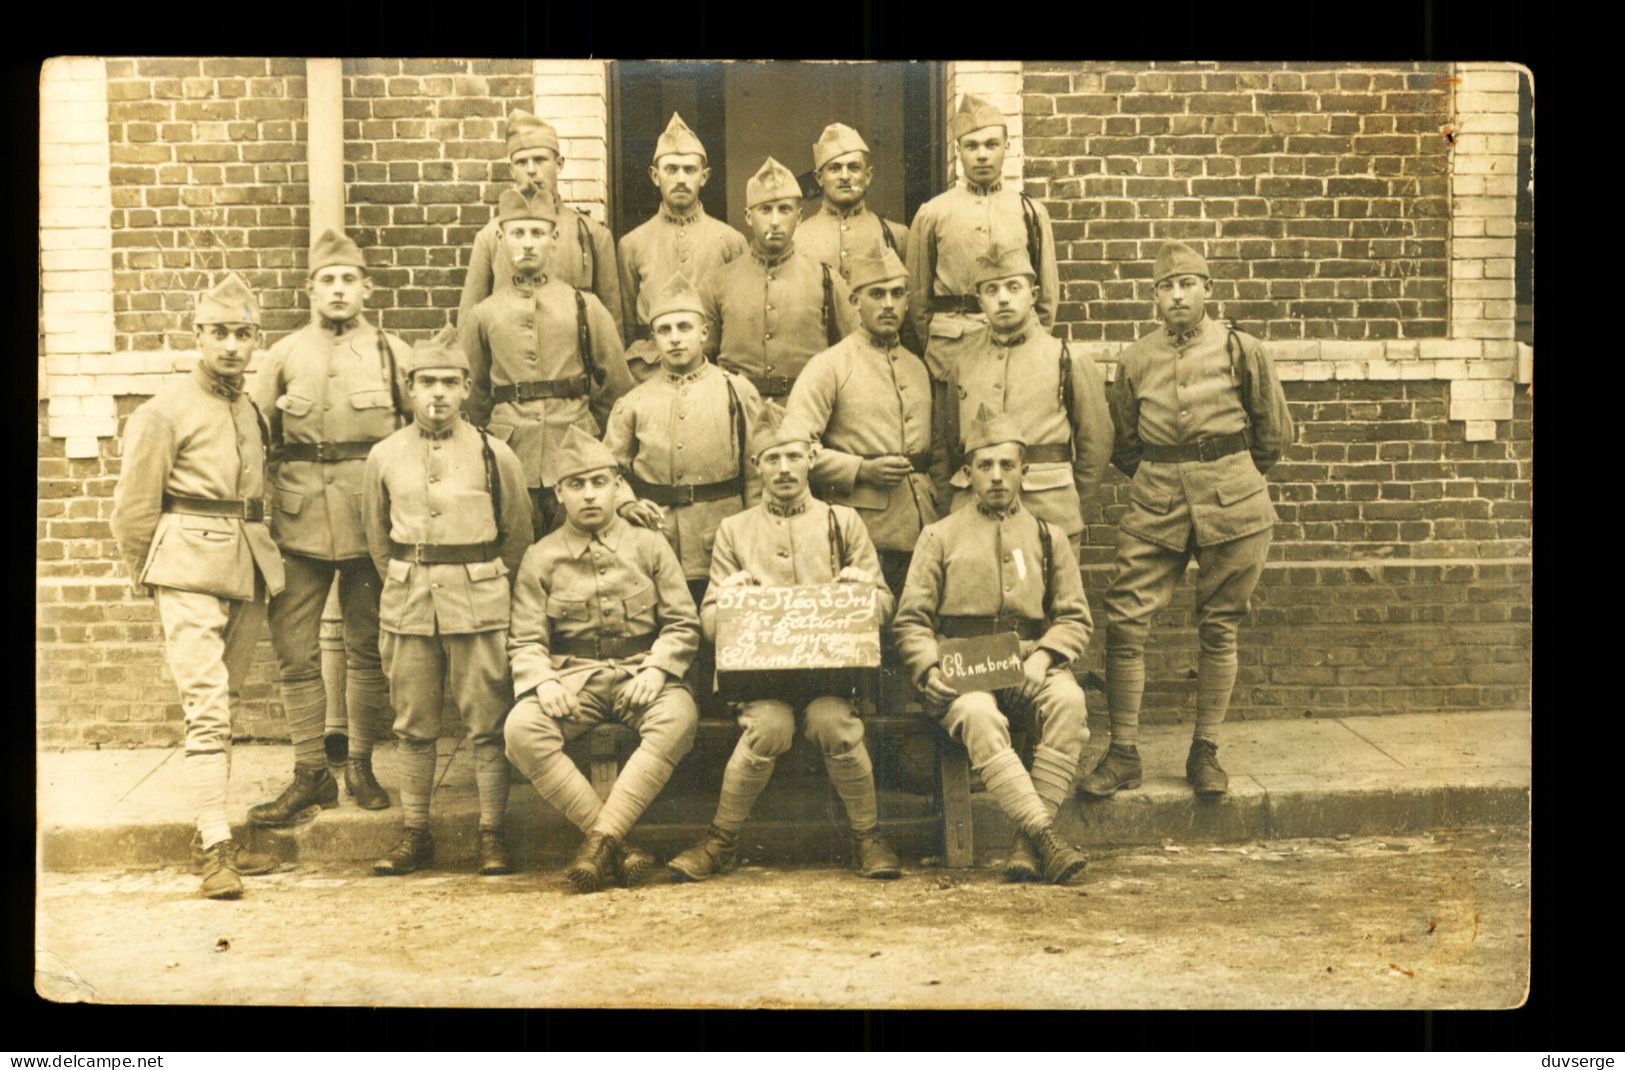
column 447, row 523
column 679, row 239
column 189, row 517
column 869, row 400
column 331, row 390
column 603, row 630
column 791, row 539
column 997, row 567
column 954, row 229
column 778, row 306
column 584, row 253
column 1200, row 416
column 544, row 354
column 1057, row 401
column 843, row 229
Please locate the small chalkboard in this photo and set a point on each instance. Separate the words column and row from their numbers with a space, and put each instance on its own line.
column 983, row 663
column 774, row 641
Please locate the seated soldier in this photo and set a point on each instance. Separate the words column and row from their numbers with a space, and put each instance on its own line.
column 791, row 539
column 603, row 629
column 993, row 568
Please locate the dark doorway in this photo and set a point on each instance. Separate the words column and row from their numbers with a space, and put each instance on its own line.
column 745, row 112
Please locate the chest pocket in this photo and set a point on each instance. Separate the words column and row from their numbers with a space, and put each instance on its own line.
column 641, row 602
column 294, row 405
column 575, row 609
column 371, row 399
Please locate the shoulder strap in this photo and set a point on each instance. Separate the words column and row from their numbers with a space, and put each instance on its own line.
column 265, row 430
column 386, row 367
column 1035, row 233
column 584, row 341
column 951, row 429
column 736, row 416
column 493, row 481
column 589, row 262
column 832, row 330
column 1046, row 542
column 837, row 545
column 1066, row 398
column 886, row 234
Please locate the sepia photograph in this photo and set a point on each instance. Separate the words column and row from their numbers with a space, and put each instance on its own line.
column 928, row 535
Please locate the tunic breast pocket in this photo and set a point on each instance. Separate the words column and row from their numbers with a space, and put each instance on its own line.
column 294, row 408
column 573, row 609
column 374, row 412
column 640, row 608
column 488, row 593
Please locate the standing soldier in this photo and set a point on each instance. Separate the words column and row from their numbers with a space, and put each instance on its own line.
column 544, row 354
column 778, row 306
column 603, row 630
column 1057, row 402
column 332, row 391
column 447, row 523
column 1200, row 417
column 997, row 567
column 189, row 517
column 583, row 256
column 869, row 400
column 791, row 539
column 956, row 227
column 679, row 239
column 844, row 229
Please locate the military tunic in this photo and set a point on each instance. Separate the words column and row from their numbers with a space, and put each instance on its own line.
column 522, row 334
column 676, row 430
column 836, row 236
column 583, row 256
column 773, row 317
column 664, row 245
column 1023, row 380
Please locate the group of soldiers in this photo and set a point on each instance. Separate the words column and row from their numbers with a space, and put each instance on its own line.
column 533, row 513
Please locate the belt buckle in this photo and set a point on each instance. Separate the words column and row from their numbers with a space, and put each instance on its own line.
column 327, row 452
column 417, row 553
column 684, row 494
column 1207, row 449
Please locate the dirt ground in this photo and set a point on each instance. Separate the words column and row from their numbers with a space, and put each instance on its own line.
column 1438, row 921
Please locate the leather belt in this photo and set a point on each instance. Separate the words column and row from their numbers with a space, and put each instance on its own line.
column 601, row 647
column 322, row 452
column 920, row 462
column 1205, row 449
column 772, row 386
column 687, row 493
column 443, row 553
column 250, row 509
column 1049, row 453
column 966, row 303
column 971, row 627
column 537, row 389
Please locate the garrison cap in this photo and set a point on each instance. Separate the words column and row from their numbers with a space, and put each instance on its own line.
column 677, row 295
column 229, row 301
column 1177, row 258
column 515, row 205
column 772, row 428
column 580, row 453
column 678, row 140
column 990, row 429
column 772, row 182
column 999, row 263
column 974, row 113
column 838, row 139
column 526, row 131
column 879, row 264
column 334, row 247
column 441, row 351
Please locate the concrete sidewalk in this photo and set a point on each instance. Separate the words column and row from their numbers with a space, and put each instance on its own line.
column 1288, row 778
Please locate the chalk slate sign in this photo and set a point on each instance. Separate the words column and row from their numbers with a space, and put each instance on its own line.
column 982, row 663
column 795, row 642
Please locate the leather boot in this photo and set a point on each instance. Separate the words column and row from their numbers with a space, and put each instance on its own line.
column 1061, row 860
column 363, row 786
column 1202, row 769
column 310, row 787
column 494, row 861
column 717, row 853
column 876, row 860
column 414, row 852
column 633, row 867
column 221, row 879
column 249, row 863
column 1022, row 864
column 593, row 867
column 1118, row 768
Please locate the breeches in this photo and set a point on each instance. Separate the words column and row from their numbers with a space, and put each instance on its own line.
column 473, row 667
column 770, row 725
column 666, row 726
column 296, row 615
column 209, row 644
column 980, row 719
column 1144, row 579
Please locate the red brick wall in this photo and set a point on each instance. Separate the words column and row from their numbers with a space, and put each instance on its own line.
column 1321, row 196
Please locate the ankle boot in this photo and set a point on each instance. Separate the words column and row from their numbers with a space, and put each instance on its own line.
column 717, row 853
column 875, row 858
column 494, row 861
column 1118, row 768
column 248, row 863
column 1061, row 860
column 1202, row 769
column 633, row 867
column 363, row 786
column 221, row 878
column 594, row 864
column 310, row 788
column 1022, row 863
column 414, row 852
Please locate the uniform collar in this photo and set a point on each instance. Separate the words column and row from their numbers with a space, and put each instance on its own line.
column 578, row 541
column 983, row 191
column 830, row 208
column 438, row 436
column 215, row 385
column 526, row 287
column 690, row 377
column 999, row 514
column 795, row 508
column 682, row 220
column 775, row 261
column 338, row 329
column 885, row 345
column 1181, row 339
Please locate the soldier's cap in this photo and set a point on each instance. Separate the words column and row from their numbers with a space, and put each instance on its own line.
column 974, row 114
column 879, row 264
column 678, row 140
column 838, row 139
column 228, row 301
column 1177, row 258
column 990, row 429
column 515, row 205
column 677, row 295
column 526, row 131
column 773, row 428
column 771, row 182
column 441, row 351
column 335, row 248
column 1002, row 263
column 579, row 453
